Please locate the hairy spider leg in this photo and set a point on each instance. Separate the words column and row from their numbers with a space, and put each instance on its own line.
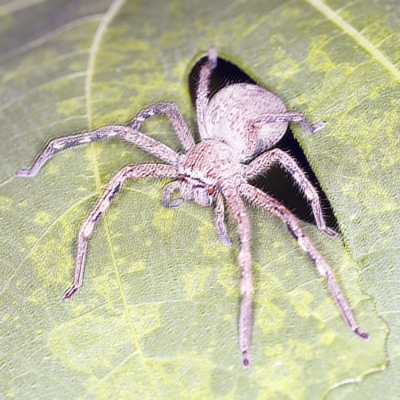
column 296, row 117
column 258, row 198
column 276, row 156
column 113, row 187
column 219, row 211
column 203, row 89
column 128, row 134
column 202, row 100
column 239, row 212
column 175, row 118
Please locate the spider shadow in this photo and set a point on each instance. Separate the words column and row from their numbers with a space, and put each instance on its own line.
column 276, row 182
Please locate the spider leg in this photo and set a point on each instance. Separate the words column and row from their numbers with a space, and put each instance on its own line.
column 141, row 140
column 260, row 199
column 266, row 160
column 203, row 88
column 239, row 212
column 296, row 117
column 113, row 187
column 166, row 196
column 175, row 118
column 219, row 221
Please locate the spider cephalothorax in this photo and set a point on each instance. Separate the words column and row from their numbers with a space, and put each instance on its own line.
column 238, row 127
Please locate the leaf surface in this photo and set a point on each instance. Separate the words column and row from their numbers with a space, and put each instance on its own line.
column 157, row 314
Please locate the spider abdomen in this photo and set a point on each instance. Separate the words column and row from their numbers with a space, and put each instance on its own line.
column 233, row 117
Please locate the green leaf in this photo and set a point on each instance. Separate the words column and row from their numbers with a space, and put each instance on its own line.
column 157, row 314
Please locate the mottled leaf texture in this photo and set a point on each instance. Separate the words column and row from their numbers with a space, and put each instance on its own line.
column 158, row 311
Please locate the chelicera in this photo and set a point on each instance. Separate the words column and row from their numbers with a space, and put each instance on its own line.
column 238, row 127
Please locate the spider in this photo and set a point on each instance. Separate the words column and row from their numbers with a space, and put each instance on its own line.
column 238, row 127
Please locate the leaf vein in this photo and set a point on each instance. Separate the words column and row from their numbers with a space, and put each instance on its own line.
column 356, row 35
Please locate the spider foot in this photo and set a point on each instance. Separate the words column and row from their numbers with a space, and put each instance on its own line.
column 225, row 240
column 26, row 173
column 172, row 203
column 71, row 293
column 329, row 232
column 245, row 359
column 317, row 127
column 212, row 57
column 362, row 334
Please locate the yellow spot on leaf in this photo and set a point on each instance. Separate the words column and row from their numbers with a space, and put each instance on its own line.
column 227, row 278
column 31, row 240
column 136, row 228
column 146, row 318
column 69, row 106
column 303, row 301
column 274, row 351
column 52, row 168
column 194, row 282
column 138, row 265
column 285, row 69
column 89, row 342
column 210, row 247
column 163, row 220
column 42, row 218
column 5, row 203
column 270, row 317
column 327, row 337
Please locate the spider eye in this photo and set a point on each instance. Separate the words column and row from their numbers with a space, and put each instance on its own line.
column 181, row 178
column 211, row 190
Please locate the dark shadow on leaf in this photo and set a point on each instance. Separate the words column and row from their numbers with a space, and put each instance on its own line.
column 275, row 182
